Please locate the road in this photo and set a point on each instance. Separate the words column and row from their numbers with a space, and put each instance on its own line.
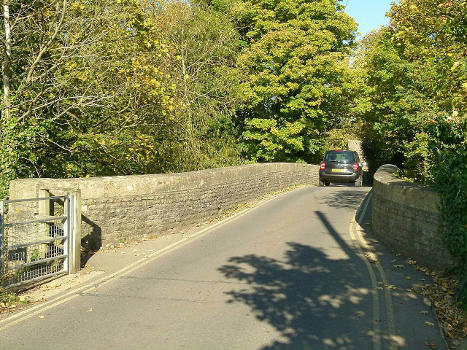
column 297, row 272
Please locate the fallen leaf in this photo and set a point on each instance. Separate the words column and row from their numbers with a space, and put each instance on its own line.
column 431, row 324
column 408, row 277
column 90, row 310
column 371, row 257
column 424, row 312
column 431, row 345
column 358, row 314
column 398, row 266
column 390, row 286
column 41, row 316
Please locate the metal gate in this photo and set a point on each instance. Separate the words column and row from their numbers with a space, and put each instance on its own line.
column 35, row 238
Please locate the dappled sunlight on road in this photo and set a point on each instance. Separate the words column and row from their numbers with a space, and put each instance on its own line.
column 313, row 301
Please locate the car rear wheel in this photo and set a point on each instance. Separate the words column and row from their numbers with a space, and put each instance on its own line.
column 327, row 183
column 321, row 183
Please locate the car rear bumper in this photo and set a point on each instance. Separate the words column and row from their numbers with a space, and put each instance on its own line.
column 342, row 178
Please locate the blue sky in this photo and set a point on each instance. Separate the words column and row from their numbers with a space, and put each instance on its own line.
column 369, row 14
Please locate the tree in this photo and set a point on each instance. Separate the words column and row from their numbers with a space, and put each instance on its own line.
column 298, row 83
column 415, row 71
column 30, row 26
column 84, row 92
column 115, row 87
column 203, row 46
column 6, row 54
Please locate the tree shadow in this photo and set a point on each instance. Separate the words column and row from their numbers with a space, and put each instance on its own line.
column 313, row 301
column 91, row 242
column 343, row 199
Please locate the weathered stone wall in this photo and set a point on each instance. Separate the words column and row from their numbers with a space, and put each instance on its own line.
column 356, row 145
column 126, row 207
column 405, row 217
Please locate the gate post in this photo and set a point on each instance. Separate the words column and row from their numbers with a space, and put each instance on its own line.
column 75, row 237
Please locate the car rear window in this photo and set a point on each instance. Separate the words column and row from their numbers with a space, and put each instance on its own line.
column 339, row 156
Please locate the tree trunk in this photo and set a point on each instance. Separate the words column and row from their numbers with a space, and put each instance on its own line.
column 6, row 62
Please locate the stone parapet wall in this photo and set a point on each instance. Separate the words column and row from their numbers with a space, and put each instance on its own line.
column 405, row 217
column 356, row 145
column 132, row 207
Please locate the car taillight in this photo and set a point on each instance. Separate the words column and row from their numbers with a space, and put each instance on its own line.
column 355, row 166
column 322, row 166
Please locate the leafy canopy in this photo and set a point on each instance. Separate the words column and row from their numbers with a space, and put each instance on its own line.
column 296, row 79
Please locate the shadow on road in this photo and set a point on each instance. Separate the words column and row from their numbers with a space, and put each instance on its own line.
column 351, row 198
column 315, row 302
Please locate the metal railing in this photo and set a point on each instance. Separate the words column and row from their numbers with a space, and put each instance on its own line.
column 38, row 238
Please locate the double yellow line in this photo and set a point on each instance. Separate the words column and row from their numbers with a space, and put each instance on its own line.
column 366, row 253
column 90, row 286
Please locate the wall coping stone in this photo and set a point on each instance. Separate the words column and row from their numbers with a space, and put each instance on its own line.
column 387, row 184
column 137, row 185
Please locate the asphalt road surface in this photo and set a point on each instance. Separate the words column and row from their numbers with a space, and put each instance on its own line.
column 298, row 272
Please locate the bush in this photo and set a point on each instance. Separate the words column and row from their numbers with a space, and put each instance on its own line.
column 450, row 181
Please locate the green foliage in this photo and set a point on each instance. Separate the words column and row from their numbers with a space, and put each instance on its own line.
column 35, row 255
column 84, row 82
column 7, row 298
column 296, row 79
column 338, row 138
column 222, row 6
column 415, row 71
column 203, row 46
column 268, row 142
column 450, row 181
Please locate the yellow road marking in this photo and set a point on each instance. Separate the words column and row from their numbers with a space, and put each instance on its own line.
column 41, row 308
column 387, row 293
column 376, row 312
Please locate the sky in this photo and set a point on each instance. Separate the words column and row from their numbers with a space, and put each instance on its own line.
column 369, row 14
